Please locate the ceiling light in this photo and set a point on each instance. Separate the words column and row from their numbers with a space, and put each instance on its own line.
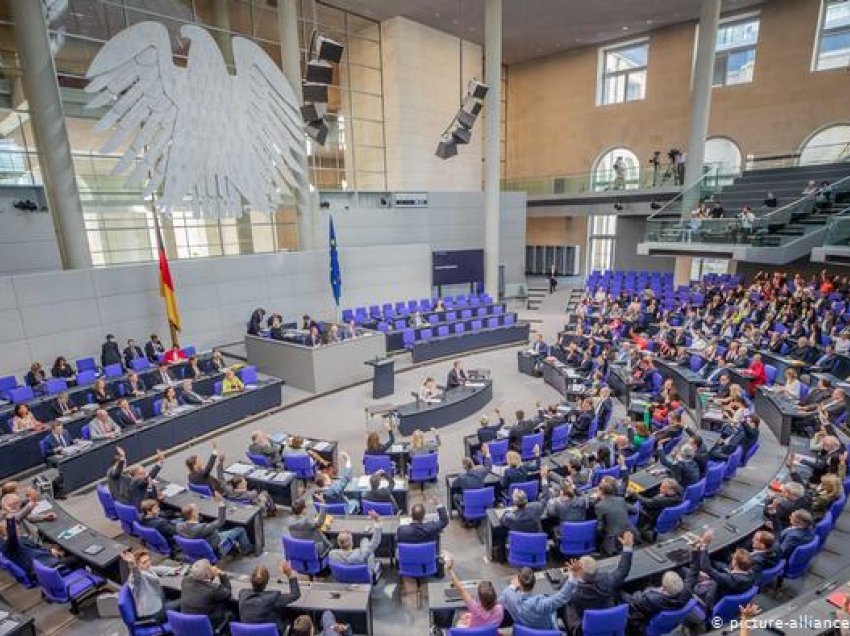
column 625, row 28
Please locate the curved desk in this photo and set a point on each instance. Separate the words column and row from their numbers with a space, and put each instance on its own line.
column 779, row 412
column 456, row 404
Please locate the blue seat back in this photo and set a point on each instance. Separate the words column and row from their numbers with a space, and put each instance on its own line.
column 255, row 629
column 476, row 501
column 195, row 549
column 126, row 515
column 837, row 506
column 560, row 435
column 527, row 444
column 105, row 499
column 140, row 364
column 374, row 463
column 498, row 451
column 598, row 474
column 16, row 571
column 417, row 560
column 85, row 378
column 55, row 385
column 770, row 372
column 800, row 558
column 189, row 624
column 578, row 538
column 728, row 607
column 152, row 538
column 200, row 489
column 383, row 508
column 248, row 374
column 86, row 364
column 113, row 371
column 459, row 327
column 345, row 573
column 769, row 575
column 302, row 555
column 668, row 620
column 527, row 549
column 670, row 517
column 732, row 464
column 424, row 467
column 522, row 630
column 301, row 465
column 474, row 631
column 605, row 622
column 752, row 450
column 530, row 488
column 714, row 478
column 85, row 431
column 259, row 460
column 694, row 495
column 21, row 394
column 408, row 337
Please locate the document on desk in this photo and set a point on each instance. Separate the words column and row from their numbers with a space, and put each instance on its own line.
column 363, row 483
column 396, row 448
column 172, row 489
column 322, row 446
column 72, row 532
column 280, row 438
column 41, row 507
column 282, row 476
column 476, row 385
column 239, row 469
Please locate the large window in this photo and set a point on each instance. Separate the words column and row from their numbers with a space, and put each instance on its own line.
column 622, row 76
column 603, row 231
column 827, row 145
column 735, row 51
column 617, row 169
column 723, row 156
column 832, row 49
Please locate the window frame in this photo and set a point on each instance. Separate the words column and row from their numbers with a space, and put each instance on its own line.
column 730, row 21
column 819, row 35
column 602, row 74
column 608, row 237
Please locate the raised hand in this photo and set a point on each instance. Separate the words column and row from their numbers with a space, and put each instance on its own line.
column 160, row 455
column 628, row 539
column 374, row 516
column 285, row 569
column 749, row 611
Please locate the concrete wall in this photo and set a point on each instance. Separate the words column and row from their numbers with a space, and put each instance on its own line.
column 452, row 221
column 68, row 313
column 423, row 86
column 27, row 239
column 555, row 128
column 565, row 230
column 630, row 232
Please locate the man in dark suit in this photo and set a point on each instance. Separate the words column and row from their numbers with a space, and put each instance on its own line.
column 604, row 407
column 684, row 469
column 62, row 406
column 804, row 351
column 472, row 478
column 378, row 493
column 205, row 590
column 153, row 348
column 153, row 518
column 140, row 484
column 735, row 579
column 125, row 415
column 778, row 510
column 133, row 385
column 669, row 494
column 57, row 440
column 521, row 428
column 764, row 554
column 644, row 605
column 488, row 432
column 598, row 590
column 581, row 427
column 110, row 353
column 162, row 375
column 131, row 352
column 612, row 517
column 189, row 395
column 421, row 531
column 456, row 377
column 526, row 514
column 259, row 605
column 829, row 361
column 799, row 531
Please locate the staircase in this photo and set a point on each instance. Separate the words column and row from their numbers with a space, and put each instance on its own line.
column 536, row 296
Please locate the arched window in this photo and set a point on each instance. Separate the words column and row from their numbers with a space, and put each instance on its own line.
column 723, row 155
column 829, row 144
column 617, row 169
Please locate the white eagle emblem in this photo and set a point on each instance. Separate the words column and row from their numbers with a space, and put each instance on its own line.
column 208, row 138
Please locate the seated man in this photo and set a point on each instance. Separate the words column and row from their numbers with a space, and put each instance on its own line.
column 710, row 583
column 125, row 415
column 62, row 406
column 669, row 495
column 57, row 441
column 526, row 515
column 331, row 491
column 765, row 553
column 303, row 626
column 645, row 605
column 347, row 554
column 800, row 530
column 134, row 386
column 612, row 516
column 300, row 526
column 564, row 504
column 262, row 606
column 778, row 508
column 583, row 423
column 489, row 432
column 472, row 477
column 205, row 590
column 538, row 611
column 103, row 426
column 263, row 445
column 421, row 531
column 683, row 469
column 378, row 493
column 213, row 532
column 153, row 518
column 189, row 395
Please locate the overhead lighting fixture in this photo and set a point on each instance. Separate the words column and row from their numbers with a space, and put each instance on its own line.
column 314, row 92
column 323, row 53
column 447, row 147
column 319, row 71
column 459, row 131
column 462, row 135
column 318, row 130
column 328, row 50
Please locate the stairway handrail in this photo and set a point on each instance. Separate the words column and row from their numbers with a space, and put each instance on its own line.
column 681, row 195
column 782, row 216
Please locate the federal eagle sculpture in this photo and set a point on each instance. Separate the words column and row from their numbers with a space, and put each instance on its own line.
column 207, row 139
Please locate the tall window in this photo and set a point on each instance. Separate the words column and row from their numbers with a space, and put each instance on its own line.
column 735, row 52
column 622, row 72
column 603, row 231
column 833, row 43
column 617, row 169
column 827, row 145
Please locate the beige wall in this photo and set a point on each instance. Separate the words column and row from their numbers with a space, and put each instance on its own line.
column 571, row 230
column 555, row 127
column 422, row 92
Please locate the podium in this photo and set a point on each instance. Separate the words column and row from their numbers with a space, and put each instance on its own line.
column 383, row 377
column 525, row 362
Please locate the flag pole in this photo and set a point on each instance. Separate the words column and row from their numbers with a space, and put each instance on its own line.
column 161, row 245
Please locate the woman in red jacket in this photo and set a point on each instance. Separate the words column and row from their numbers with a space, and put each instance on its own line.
column 756, row 370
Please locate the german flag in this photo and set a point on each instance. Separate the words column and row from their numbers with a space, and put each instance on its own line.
column 166, row 285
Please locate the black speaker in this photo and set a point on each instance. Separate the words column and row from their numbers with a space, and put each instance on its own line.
column 475, row 108
column 315, row 92
column 462, row 135
column 329, row 50
column 319, row 71
column 447, row 147
column 477, row 89
column 313, row 112
column 466, row 119
column 318, row 130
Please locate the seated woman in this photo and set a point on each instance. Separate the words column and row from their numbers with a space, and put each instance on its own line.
column 419, row 445
column 61, row 369
column 483, row 612
column 216, row 364
column 36, row 377
column 193, row 369
column 428, row 391
column 295, row 448
column 828, row 491
column 374, row 445
column 23, row 420
column 516, row 471
column 100, row 392
column 170, row 401
column 231, row 383
column 757, row 372
column 792, row 387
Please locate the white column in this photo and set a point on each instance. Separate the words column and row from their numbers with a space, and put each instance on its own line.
column 51, row 135
column 492, row 161
column 287, row 12
column 701, row 98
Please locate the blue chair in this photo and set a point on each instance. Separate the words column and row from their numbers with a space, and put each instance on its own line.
column 510, row 319
column 55, row 385
column 190, row 351
column 85, row 431
column 21, row 394
column 732, row 464
column 837, row 506
column 74, row 587
column 345, row 573
column 127, row 609
column 126, row 515
column 598, row 474
column 667, row 621
column 670, row 518
column 248, row 375
column 530, row 488
column 7, row 383
column 823, row 528
column 42, row 446
column 645, row 452
column 473, row 631
column 113, row 371
column 86, row 364
column 217, row 387
column 527, row 444
column 578, row 538
column 152, row 538
column 303, row 556
column 417, row 560
column 140, row 364
column 522, row 630
column 331, row 508
column 498, row 451
column 728, row 607
column 459, row 327
column 560, row 435
column 256, row 629
column 200, row 489
column 492, row 323
column 189, row 624
column 196, row 549
column 259, row 460
column 85, row 378
column 605, row 622
column 476, row 325
column 302, row 465
column 106, row 502
column 714, row 478
column 408, row 338
column 527, row 549
column 384, row 509
column 442, row 331
column 694, row 495
column 800, row 558
column 423, row 467
column 375, row 463
column 16, row 571
column 770, row 372
column 476, row 501
column 771, row 575
column 398, row 325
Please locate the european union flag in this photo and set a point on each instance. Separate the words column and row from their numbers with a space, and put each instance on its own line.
column 336, row 278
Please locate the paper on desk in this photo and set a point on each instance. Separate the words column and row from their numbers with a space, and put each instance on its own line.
column 250, row 387
column 322, row 446
column 282, row 476
column 172, row 489
column 477, row 385
column 41, row 507
column 397, row 448
column 239, row 468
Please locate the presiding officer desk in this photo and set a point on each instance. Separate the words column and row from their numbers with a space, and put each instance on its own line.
column 88, row 465
column 350, row 603
column 454, row 405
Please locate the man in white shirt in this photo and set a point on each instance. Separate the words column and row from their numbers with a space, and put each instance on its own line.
column 102, row 426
